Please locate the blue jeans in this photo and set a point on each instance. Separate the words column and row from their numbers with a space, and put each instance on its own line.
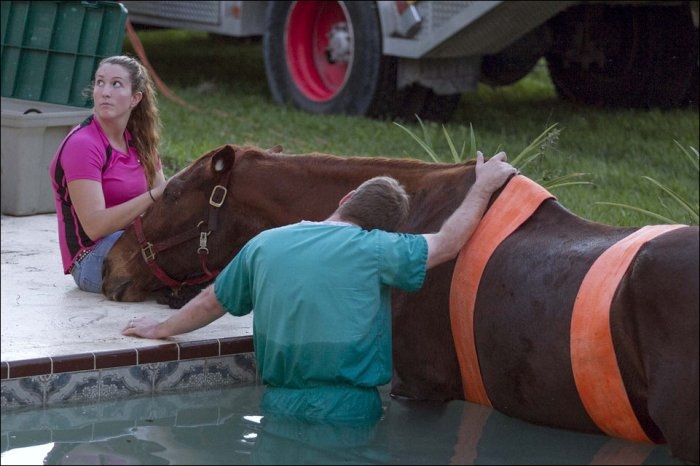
column 88, row 272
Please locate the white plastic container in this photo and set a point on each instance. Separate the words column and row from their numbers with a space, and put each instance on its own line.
column 31, row 134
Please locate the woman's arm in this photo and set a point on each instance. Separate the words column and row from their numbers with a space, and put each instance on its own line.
column 99, row 221
column 159, row 182
column 96, row 219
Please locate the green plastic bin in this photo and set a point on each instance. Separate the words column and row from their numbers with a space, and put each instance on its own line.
column 51, row 49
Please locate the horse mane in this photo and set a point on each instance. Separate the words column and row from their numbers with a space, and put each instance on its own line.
column 341, row 162
column 277, row 152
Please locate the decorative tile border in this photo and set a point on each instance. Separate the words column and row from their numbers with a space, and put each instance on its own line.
column 111, row 375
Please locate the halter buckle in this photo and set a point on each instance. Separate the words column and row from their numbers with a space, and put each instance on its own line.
column 217, row 189
column 203, row 243
column 148, row 253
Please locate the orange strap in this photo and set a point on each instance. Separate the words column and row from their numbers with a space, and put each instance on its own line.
column 593, row 360
column 616, row 451
column 517, row 202
column 471, row 429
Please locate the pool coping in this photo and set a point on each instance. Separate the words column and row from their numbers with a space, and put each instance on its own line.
column 95, row 360
column 111, row 375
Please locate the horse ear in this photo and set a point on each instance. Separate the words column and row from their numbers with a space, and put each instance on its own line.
column 222, row 161
column 276, row 149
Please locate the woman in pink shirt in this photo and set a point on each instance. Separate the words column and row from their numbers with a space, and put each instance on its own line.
column 107, row 170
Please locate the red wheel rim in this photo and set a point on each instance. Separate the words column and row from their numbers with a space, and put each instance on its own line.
column 306, row 40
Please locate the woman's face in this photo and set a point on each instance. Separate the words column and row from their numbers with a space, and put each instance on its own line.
column 112, row 92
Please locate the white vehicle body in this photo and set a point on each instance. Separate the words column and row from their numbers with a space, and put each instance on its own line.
column 402, row 58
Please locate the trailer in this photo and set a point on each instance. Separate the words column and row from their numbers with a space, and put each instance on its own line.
column 403, row 58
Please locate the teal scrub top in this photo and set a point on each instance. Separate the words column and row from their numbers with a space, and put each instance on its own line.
column 321, row 296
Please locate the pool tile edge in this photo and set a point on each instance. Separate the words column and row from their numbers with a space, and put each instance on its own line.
column 108, row 375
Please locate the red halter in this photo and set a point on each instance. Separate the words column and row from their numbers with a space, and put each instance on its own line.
column 150, row 250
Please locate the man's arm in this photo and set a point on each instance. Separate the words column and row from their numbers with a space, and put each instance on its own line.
column 490, row 176
column 202, row 310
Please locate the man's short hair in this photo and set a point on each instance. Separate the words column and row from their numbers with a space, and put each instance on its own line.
column 378, row 203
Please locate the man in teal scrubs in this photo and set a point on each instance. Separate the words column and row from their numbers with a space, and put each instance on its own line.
column 321, row 291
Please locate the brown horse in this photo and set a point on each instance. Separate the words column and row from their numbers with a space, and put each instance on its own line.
column 523, row 313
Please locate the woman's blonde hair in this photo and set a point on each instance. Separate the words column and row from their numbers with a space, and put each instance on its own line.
column 144, row 123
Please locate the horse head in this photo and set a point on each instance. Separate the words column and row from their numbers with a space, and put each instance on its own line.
column 181, row 240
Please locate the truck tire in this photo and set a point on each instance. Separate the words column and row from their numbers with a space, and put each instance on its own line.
column 618, row 56
column 326, row 57
column 517, row 60
column 302, row 69
column 691, row 97
column 674, row 76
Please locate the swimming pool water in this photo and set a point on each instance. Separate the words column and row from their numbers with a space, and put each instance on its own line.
column 225, row 427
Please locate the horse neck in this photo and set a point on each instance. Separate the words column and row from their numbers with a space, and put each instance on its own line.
column 289, row 188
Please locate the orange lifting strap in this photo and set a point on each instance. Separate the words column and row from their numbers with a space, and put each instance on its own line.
column 596, row 373
column 517, row 202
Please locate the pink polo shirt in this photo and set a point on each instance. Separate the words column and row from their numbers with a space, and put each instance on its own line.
column 83, row 156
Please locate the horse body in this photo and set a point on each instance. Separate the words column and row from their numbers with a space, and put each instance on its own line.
column 523, row 310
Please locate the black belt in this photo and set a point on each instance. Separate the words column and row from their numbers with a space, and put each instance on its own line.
column 80, row 257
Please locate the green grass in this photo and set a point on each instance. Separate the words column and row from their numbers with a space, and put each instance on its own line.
column 615, row 148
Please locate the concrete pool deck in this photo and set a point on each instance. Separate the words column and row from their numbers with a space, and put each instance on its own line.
column 50, row 326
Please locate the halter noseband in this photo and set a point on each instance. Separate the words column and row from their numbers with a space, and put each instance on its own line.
column 150, row 250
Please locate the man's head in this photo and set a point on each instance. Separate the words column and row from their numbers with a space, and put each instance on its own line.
column 378, row 203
